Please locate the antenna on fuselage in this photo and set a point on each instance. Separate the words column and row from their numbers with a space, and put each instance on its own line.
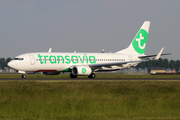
column 102, row 51
column 50, row 50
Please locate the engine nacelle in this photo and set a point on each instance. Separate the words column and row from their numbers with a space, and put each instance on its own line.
column 81, row 70
column 51, row 73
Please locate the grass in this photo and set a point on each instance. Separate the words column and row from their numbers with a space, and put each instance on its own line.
column 89, row 100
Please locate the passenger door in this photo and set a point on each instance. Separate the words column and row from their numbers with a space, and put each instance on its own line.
column 32, row 59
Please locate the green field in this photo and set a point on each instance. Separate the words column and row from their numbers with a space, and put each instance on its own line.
column 89, row 100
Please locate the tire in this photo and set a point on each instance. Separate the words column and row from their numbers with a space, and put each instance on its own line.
column 23, row 76
column 92, row 75
column 73, row 76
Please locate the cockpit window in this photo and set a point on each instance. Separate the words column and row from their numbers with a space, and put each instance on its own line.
column 18, row 59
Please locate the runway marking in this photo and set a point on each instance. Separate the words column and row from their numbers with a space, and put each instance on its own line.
column 88, row 80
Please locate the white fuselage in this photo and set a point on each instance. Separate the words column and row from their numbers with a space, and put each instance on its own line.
column 45, row 61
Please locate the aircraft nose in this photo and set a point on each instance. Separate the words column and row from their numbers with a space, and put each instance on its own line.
column 11, row 64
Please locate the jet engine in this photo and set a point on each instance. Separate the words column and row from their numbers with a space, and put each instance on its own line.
column 81, row 70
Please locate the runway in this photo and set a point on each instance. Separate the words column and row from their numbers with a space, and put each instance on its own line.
column 83, row 79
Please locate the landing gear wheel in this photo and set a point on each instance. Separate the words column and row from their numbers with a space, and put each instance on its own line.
column 92, row 75
column 23, row 76
column 73, row 76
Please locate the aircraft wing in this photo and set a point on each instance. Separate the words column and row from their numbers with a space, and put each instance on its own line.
column 115, row 63
column 121, row 63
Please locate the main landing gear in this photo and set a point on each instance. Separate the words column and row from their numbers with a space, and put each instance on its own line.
column 23, row 76
column 73, row 76
column 92, row 75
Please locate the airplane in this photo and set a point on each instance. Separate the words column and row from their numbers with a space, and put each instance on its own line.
column 85, row 64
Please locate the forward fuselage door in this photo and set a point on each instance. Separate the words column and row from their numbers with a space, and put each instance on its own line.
column 32, row 59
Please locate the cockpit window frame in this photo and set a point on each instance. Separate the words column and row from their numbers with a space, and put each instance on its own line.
column 20, row 59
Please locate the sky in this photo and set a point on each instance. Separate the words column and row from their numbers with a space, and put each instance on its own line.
column 87, row 25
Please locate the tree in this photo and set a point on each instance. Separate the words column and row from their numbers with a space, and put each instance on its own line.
column 160, row 63
column 172, row 64
column 8, row 60
column 2, row 63
column 166, row 63
column 177, row 65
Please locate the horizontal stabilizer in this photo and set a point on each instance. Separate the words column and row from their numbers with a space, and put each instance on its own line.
column 147, row 56
column 157, row 56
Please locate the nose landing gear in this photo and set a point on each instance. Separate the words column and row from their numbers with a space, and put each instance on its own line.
column 23, row 76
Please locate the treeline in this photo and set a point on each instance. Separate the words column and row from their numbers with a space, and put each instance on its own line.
column 4, row 62
column 161, row 63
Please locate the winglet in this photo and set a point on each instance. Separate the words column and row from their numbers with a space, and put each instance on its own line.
column 159, row 54
column 49, row 50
